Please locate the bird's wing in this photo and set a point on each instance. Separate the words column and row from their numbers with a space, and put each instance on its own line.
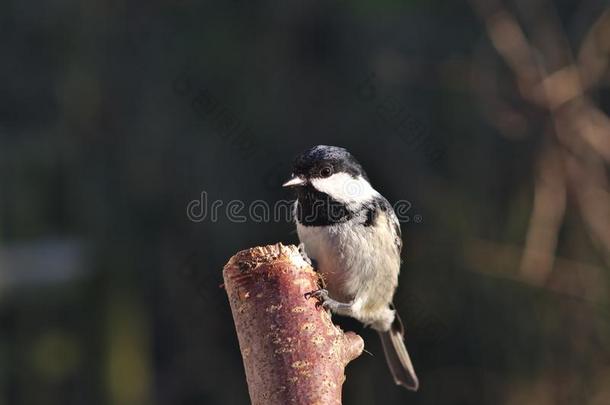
column 381, row 205
column 396, row 225
column 393, row 222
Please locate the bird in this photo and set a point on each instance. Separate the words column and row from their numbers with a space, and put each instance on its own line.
column 352, row 235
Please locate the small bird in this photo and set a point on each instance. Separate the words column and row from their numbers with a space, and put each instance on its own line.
column 353, row 235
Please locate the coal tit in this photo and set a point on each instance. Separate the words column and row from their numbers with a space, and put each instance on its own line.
column 353, row 235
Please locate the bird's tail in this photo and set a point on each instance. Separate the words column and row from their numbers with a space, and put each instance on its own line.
column 397, row 356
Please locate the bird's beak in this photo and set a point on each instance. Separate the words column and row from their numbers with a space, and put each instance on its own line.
column 294, row 182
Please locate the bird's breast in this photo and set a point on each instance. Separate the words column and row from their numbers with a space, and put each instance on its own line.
column 352, row 258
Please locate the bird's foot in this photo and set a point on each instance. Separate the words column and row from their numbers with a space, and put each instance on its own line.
column 322, row 296
column 328, row 303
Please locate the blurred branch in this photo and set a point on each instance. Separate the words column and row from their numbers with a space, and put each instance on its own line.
column 572, row 278
column 548, row 77
column 590, row 184
column 547, row 216
column 595, row 51
column 292, row 352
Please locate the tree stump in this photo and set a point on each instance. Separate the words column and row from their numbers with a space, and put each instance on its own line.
column 292, row 352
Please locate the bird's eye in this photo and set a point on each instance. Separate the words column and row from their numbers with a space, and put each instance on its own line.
column 326, row 171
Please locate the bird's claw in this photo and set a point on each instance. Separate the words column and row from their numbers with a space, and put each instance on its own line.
column 321, row 295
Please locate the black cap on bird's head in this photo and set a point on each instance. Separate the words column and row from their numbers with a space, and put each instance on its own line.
column 323, row 161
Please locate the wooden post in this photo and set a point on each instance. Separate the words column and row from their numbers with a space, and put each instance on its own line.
column 292, row 352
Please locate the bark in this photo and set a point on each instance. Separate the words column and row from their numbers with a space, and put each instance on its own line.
column 292, row 352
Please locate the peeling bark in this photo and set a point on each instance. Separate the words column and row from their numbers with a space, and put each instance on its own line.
column 292, row 352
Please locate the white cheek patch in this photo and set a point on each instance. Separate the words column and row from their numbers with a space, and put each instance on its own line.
column 345, row 188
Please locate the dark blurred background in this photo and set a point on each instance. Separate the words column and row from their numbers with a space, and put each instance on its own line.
column 490, row 118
